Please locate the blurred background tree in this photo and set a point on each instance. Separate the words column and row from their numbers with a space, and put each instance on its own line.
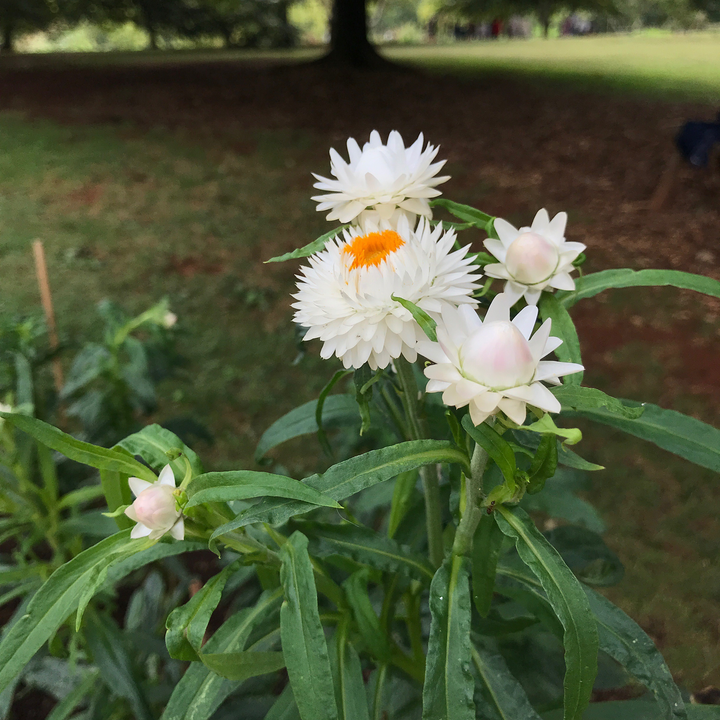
column 18, row 17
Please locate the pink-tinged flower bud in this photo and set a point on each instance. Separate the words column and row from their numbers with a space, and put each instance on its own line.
column 497, row 356
column 155, row 507
column 155, row 510
column 531, row 258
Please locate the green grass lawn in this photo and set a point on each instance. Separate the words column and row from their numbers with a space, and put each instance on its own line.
column 674, row 66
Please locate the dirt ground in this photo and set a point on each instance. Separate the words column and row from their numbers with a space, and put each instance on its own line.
column 513, row 147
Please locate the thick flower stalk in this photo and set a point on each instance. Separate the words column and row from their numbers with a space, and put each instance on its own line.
column 533, row 259
column 380, row 182
column 345, row 296
column 155, row 509
column 494, row 364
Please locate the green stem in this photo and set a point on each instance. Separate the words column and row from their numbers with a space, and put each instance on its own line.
column 428, row 473
column 473, row 511
column 378, row 695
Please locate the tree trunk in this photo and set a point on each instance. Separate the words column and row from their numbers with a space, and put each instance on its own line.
column 8, row 45
column 349, row 44
column 152, row 32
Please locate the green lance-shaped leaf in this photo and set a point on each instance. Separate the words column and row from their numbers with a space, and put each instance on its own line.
column 352, row 476
column 590, row 285
column 309, row 249
column 426, row 323
column 564, row 328
column 367, row 621
column 469, row 214
column 186, row 625
column 243, row 665
column 368, row 547
column 576, row 397
column 495, row 446
column 350, row 694
column 625, row 641
column 449, row 684
column 244, row 484
column 201, row 691
column 153, row 443
column 580, row 637
column 336, row 410
column 680, row 434
column 587, row 555
column 113, row 660
column 56, row 599
column 501, row 690
column 544, row 464
column 284, row 708
column 303, row 638
column 117, row 495
column 546, row 425
column 402, row 499
column 82, row 452
column 66, row 707
column 486, row 549
column 321, row 434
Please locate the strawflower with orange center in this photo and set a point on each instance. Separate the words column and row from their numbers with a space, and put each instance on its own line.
column 345, row 295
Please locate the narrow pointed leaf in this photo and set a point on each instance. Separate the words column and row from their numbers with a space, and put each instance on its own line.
column 680, row 434
column 200, row 691
column 464, row 212
column 337, row 410
column 303, row 638
column 243, row 665
column 366, row 546
column 284, row 708
column 116, row 668
column 580, row 637
column 576, row 397
column 426, row 323
column 56, row 599
column 367, row 621
column 625, row 641
column 82, row 452
column 494, row 445
column 564, row 328
column 186, row 625
column 351, row 476
column 449, row 684
column 309, row 249
column 501, row 690
column 486, row 549
column 350, row 694
column 594, row 283
column 153, row 442
column 402, row 499
column 244, row 484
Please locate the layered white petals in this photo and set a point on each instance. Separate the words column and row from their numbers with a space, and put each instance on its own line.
column 533, row 259
column 351, row 310
column 380, row 183
column 154, row 509
column 495, row 364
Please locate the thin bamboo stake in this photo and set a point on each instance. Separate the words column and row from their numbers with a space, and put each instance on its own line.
column 46, row 298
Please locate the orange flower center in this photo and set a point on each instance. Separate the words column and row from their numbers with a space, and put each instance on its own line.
column 373, row 248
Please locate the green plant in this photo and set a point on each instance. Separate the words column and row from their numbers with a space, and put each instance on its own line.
column 436, row 595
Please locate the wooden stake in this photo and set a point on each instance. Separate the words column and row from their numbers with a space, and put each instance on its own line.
column 46, row 298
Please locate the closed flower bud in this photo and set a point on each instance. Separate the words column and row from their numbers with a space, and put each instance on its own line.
column 155, row 510
column 531, row 258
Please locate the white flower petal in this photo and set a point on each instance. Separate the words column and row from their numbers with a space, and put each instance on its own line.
column 524, row 321
column 137, row 485
column 140, row 531
column 178, row 530
column 505, row 231
column 514, row 409
column 562, row 281
column 167, row 477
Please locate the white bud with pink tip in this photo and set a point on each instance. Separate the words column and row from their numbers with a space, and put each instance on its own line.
column 155, row 509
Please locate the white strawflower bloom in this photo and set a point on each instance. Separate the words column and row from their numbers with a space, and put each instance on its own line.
column 345, row 295
column 169, row 319
column 533, row 258
column 381, row 182
column 154, row 509
column 494, row 364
